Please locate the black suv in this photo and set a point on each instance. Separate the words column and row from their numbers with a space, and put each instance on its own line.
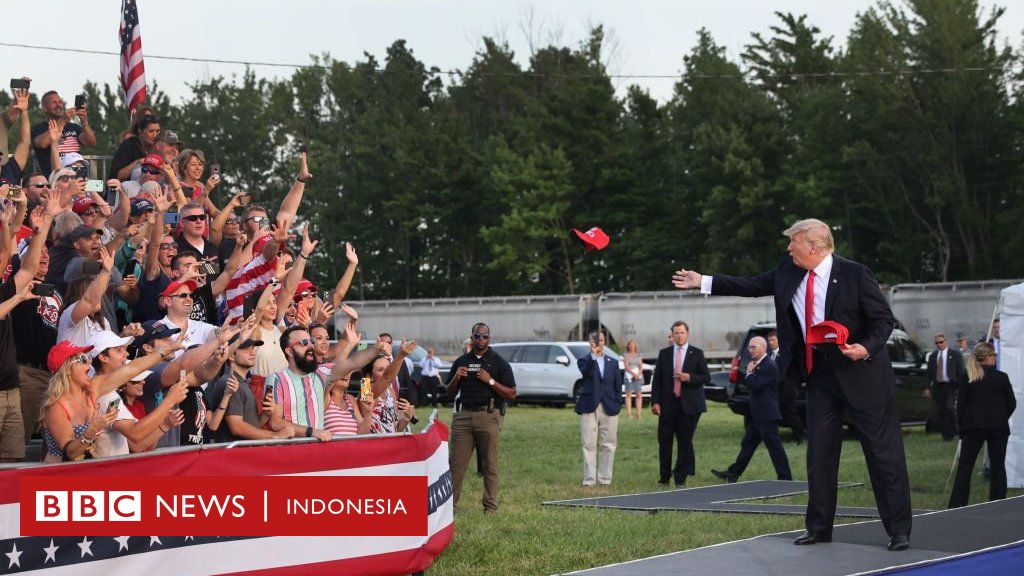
column 908, row 362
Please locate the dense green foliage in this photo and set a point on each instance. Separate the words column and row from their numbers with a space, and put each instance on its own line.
column 469, row 186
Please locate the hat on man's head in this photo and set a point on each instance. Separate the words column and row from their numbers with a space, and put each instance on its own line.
column 154, row 330
column 142, row 205
column 154, row 160
column 82, row 204
column 828, row 332
column 81, row 231
column 174, row 286
column 593, row 239
column 105, row 340
column 60, row 353
column 248, row 343
column 70, row 158
column 169, row 136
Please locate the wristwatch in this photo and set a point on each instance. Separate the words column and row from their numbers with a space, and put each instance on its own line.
column 491, row 382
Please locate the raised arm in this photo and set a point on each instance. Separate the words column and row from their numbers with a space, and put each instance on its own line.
column 217, row 226
column 24, row 130
column 346, row 279
column 105, row 383
column 30, row 263
column 290, row 204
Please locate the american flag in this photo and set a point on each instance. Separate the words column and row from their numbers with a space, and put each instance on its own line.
column 423, row 454
column 133, row 69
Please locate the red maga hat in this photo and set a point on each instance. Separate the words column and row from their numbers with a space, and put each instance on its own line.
column 60, row 353
column 593, row 239
column 828, row 332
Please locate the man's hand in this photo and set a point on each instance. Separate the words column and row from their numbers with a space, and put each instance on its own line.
column 686, row 279
column 162, row 202
column 303, row 168
column 308, row 246
column 26, row 292
column 350, row 253
column 350, row 311
column 322, row 435
column 106, row 259
column 854, row 352
column 461, row 372
column 750, row 366
column 351, row 335
column 926, row 393
column 483, row 376
column 83, row 115
column 20, row 100
column 656, row 409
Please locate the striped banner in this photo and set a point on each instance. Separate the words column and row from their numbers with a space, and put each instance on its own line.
column 423, row 454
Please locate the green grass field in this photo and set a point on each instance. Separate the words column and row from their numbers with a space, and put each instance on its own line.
column 541, row 459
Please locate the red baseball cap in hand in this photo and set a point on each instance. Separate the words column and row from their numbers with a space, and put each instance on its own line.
column 593, row 239
column 828, row 332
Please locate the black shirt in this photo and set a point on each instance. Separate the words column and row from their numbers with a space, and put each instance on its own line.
column 71, row 130
column 35, row 324
column 473, row 391
column 986, row 404
column 194, row 408
column 8, row 353
column 129, row 151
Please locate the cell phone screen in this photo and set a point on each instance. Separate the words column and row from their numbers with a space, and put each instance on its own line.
column 79, row 100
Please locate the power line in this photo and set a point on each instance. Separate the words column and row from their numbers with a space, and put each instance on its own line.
column 459, row 73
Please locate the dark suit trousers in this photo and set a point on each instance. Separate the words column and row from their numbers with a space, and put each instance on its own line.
column 881, row 439
column 754, row 434
column 942, row 395
column 787, row 406
column 971, row 442
column 680, row 426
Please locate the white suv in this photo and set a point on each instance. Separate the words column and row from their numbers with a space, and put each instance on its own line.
column 547, row 371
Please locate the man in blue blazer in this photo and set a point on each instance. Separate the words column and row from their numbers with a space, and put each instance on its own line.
column 762, row 379
column 812, row 285
column 677, row 398
column 598, row 405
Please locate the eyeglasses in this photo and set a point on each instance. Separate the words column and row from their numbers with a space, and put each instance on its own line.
column 480, row 336
column 92, row 212
column 148, row 170
column 306, row 294
column 195, row 218
column 168, row 246
column 43, row 185
column 304, row 342
column 82, row 359
column 183, row 296
column 257, row 219
column 232, row 221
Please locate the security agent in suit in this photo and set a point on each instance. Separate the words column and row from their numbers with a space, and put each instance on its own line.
column 787, row 393
column 762, row 377
column 812, row 285
column 598, row 405
column 677, row 398
column 946, row 373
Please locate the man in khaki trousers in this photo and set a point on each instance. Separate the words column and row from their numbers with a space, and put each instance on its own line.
column 598, row 405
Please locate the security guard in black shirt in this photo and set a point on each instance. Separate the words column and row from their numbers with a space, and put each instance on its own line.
column 484, row 383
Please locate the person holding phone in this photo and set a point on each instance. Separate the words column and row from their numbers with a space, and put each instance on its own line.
column 73, row 135
column 598, row 405
column 14, row 166
column 190, row 164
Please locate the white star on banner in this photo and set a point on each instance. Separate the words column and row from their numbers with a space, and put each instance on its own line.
column 51, row 552
column 187, row 538
column 15, row 557
column 86, row 546
column 155, row 540
column 122, row 542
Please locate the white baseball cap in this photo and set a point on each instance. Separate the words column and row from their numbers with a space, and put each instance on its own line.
column 103, row 341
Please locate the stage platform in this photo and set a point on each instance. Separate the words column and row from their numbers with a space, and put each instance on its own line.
column 737, row 498
column 984, row 539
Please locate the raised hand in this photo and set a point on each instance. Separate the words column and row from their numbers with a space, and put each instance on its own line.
column 308, row 246
column 303, row 168
column 350, row 311
column 176, row 394
column 54, row 129
column 351, row 335
column 106, row 259
column 324, row 313
column 407, row 347
column 686, row 279
column 350, row 253
column 20, row 100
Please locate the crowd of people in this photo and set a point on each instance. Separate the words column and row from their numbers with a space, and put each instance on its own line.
column 137, row 313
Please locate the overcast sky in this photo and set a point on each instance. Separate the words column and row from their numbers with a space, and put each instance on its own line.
column 647, row 36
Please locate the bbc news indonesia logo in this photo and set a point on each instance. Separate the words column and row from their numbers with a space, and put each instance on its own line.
column 219, row 506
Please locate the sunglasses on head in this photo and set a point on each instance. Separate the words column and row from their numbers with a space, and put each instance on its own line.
column 481, row 336
column 195, row 218
column 150, row 170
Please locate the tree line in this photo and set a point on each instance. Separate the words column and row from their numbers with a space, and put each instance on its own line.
column 907, row 138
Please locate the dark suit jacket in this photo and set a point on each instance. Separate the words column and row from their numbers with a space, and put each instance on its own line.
column 606, row 390
column 853, row 299
column 764, row 392
column 692, row 399
column 956, row 371
column 986, row 404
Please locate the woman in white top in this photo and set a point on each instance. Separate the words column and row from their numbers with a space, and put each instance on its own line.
column 83, row 315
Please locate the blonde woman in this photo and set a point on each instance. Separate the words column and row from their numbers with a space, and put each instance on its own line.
column 634, row 379
column 983, row 407
column 191, row 164
column 70, row 414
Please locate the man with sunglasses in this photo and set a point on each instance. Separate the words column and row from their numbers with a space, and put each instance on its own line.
column 177, row 300
column 946, row 372
column 194, row 232
column 484, row 383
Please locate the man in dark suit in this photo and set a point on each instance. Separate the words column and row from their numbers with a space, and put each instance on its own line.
column 946, row 372
column 598, row 405
column 812, row 285
column 762, row 378
column 677, row 398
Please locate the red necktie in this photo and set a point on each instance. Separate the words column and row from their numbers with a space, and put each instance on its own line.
column 809, row 317
column 677, row 385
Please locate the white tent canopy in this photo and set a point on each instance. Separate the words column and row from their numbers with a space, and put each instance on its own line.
column 1011, row 361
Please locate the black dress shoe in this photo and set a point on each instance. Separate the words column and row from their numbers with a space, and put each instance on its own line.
column 898, row 542
column 681, row 483
column 809, row 537
column 663, row 481
column 727, row 476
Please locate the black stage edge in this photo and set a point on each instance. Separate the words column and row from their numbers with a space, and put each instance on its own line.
column 733, row 498
column 972, row 531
